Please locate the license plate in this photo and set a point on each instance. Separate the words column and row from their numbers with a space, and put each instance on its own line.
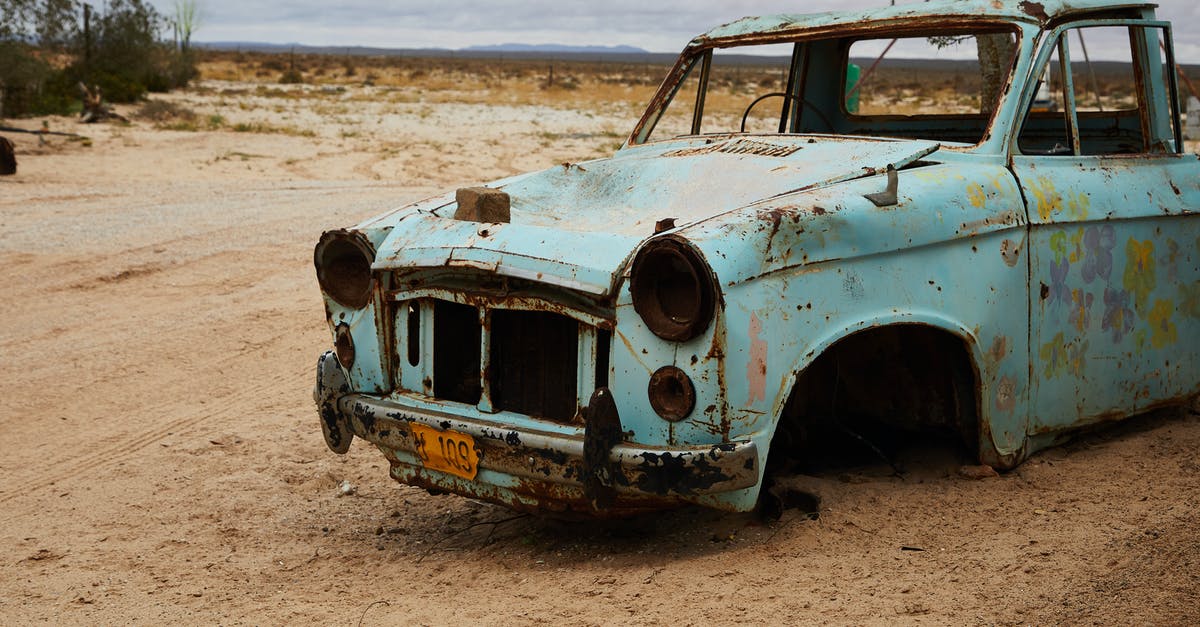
column 448, row 451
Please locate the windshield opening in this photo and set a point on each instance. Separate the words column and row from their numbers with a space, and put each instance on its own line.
column 941, row 86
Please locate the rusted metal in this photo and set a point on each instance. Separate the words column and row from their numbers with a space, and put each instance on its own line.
column 602, row 432
column 534, row 364
column 888, row 196
column 672, row 289
column 343, row 262
column 1011, row 292
column 671, row 393
column 343, row 344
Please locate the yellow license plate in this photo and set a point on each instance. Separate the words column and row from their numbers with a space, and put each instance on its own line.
column 448, row 451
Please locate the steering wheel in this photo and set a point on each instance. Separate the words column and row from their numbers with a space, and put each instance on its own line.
column 786, row 98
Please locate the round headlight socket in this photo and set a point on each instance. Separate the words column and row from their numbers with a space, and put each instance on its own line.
column 671, row 393
column 343, row 346
column 673, row 289
column 343, row 261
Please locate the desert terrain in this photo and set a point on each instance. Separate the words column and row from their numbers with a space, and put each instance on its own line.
column 161, row 459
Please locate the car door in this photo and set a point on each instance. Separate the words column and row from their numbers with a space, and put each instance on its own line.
column 1114, row 237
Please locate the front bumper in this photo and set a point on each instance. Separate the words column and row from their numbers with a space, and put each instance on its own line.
column 528, row 469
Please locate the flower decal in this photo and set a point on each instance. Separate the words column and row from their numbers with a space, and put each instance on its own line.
column 1139, row 273
column 1169, row 261
column 1098, row 242
column 1060, row 267
column 1189, row 299
column 976, row 195
column 1054, row 357
column 1048, row 199
column 1077, row 357
column 1162, row 330
column 1081, row 307
column 1118, row 317
column 1078, row 206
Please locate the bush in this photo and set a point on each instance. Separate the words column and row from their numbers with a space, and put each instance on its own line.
column 122, row 54
column 291, row 77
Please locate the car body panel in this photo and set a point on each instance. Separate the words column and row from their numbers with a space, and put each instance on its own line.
column 1068, row 281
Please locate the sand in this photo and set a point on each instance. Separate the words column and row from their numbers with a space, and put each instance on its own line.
column 161, row 458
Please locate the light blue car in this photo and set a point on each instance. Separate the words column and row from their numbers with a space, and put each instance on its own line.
column 761, row 274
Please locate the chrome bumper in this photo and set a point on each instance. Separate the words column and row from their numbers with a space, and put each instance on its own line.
column 530, row 469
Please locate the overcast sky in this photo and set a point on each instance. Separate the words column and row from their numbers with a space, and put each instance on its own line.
column 655, row 25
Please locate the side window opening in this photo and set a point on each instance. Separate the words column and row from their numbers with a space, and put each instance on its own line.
column 1094, row 96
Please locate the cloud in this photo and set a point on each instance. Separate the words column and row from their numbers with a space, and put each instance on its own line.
column 661, row 26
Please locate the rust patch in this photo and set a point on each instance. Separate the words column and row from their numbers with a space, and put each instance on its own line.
column 999, row 348
column 1010, row 251
column 756, row 368
column 1036, row 10
column 1006, row 394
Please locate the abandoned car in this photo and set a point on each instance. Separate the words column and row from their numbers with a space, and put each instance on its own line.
column 791, row 244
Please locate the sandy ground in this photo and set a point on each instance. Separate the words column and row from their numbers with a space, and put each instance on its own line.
column 161, row 459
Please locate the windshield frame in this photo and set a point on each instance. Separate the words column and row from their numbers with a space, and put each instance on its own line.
column 699, row 51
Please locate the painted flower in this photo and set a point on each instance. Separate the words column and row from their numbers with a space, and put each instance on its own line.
column 976, row 195
column 1169, row 260
column 1139, row 273
column 1054, row 355
column 1081, row 308
column 1059, row 292
column 1118, row 317
column 1076, row 249
column 1048, row 199
column 1058, row 245
column 1098, row 242
column 1189, row 299
column 1162, row 330
column 1078, row 206
column 1077, row 357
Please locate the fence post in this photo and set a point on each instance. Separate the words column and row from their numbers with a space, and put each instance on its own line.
column 1193, row 118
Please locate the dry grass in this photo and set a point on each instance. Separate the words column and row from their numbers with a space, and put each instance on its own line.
column 332, row 86
column 568, row 84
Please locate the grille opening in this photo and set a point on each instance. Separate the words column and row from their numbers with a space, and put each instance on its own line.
column 414, row 333
column 456, row 340
column 603, row 346
column 534, row 362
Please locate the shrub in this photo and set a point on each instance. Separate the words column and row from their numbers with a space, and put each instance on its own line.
column 291, row 77
column 121, row 53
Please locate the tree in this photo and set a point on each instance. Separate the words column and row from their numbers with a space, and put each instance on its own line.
column 186, row 21
column 46, row 51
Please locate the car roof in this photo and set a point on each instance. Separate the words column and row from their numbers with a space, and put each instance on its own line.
column 1008, row 10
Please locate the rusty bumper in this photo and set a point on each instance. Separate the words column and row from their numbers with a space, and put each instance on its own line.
column 530, row 469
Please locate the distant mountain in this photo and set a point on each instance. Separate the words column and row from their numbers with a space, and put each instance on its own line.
column 556, row 48
column 618, row 54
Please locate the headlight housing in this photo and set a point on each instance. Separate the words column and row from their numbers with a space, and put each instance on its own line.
column 671, row 393
column 673, row 289
column 343, row 260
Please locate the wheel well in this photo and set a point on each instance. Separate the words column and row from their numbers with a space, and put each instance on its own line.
column 874, row 390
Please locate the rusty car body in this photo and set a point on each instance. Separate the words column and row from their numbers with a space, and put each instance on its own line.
column 664, row 325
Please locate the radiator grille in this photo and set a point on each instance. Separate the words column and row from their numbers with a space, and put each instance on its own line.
column 534, row 363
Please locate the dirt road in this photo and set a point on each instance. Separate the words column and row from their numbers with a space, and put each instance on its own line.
column 161, row 459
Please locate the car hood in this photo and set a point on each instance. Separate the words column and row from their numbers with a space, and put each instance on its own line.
column 576, row 225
